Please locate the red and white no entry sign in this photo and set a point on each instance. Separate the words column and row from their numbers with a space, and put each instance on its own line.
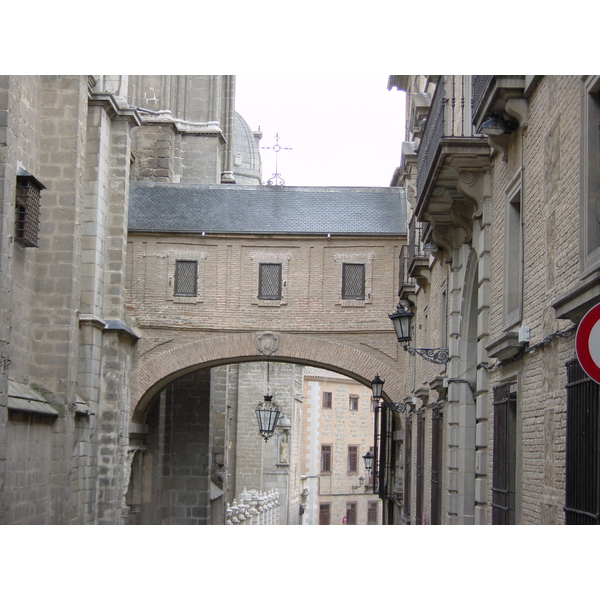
column 587, row 343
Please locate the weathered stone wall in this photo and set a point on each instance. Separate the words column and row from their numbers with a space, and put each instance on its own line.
column 72, row 136
column 548, row 151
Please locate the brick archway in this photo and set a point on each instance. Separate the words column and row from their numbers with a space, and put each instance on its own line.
column 359, row 362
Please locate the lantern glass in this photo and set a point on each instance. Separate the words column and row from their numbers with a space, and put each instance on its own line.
column 377, row 387
column 267, row 415
column 368, row 458
column 402, row 320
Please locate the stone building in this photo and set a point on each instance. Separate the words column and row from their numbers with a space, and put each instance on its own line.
column 501, row 176
column 125, row 394
column 337, row 431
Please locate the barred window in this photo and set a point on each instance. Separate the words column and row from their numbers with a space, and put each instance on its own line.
column 504, row 471
column 353, row 281
column 27, row 209
column 186, row 278
column 269, row 281
column 327, row 400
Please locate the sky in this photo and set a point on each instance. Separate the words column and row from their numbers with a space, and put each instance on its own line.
column 342, row 131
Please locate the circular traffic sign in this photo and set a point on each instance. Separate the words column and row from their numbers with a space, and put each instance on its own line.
column 587, row 343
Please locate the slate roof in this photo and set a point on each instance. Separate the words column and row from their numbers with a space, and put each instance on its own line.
column 237, row 209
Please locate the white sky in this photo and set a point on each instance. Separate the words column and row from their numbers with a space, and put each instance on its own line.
column 343, row 131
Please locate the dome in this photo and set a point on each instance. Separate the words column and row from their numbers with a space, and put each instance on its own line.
column 246, row 156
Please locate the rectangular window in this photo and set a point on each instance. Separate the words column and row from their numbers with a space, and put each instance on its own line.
column 353, row 281
column 324, row 514
column 353, row 402
column 327, row 399
column 436, row 465
column 27, row 209
column 582, row 481
column 419, row 479
column 269, row 281
column 352, row 459
column 504, row 473
column 351, row 513
column 325, row 458
column 372, row 513
column 186, row 278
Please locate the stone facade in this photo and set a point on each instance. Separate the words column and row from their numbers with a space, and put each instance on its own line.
column 120, row 403
column 332, row 419
column 503, row 284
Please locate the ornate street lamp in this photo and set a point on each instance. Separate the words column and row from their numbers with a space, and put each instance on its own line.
column 368, row 458
column 267, row 413
column 377, row 392
column 402, row 320
column 377, row 387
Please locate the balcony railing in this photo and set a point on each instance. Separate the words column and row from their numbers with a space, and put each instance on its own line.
column 449, row 117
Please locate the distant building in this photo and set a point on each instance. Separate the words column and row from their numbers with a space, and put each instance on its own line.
column 337, row 431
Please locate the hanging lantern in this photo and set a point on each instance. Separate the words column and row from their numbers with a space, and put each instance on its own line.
column 368, row 458
column 267, row 415
column 402, row 320
column 377, row 387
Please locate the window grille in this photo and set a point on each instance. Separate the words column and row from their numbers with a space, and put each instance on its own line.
column 269, row 281
column 419, row 479
column 186, row 278
column 436, row 465
column 27, row 209
column 327, row 400
column 325, row 458
column 353, row 281
column 505, row 454
column 407, row 469
column 582, row 493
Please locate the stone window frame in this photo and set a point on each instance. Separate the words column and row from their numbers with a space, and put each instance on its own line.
column 282, row 258
column 513, row 253
column 353, row 400
column 327, row 398
column 262, row 268
column 186, row 255
column 365, row 258
column 590, row 177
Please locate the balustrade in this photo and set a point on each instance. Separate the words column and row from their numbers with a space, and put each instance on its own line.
column 254, row 508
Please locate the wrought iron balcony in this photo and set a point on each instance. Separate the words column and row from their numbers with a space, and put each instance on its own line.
column 414, row 261
column 448, row 147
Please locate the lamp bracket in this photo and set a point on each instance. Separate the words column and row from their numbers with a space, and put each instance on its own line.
column 439, row 356
column 399, row 407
